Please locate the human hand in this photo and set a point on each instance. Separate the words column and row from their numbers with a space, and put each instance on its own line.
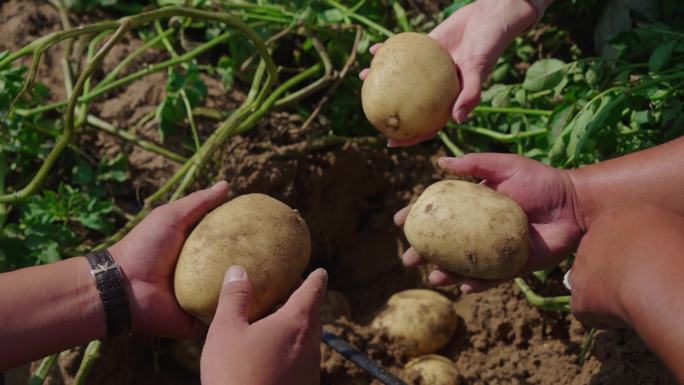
column 475, row 36
column 626, row 257
column 546, row 195
column 282, row 348
column 148, row 254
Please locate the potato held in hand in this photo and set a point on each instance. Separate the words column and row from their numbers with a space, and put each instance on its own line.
column 469, row 229
column 411, row 86
column 263, row 235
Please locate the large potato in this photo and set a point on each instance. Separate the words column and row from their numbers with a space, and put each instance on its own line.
column 431, row 370
column 421, row 321
column 469, row 229
column 263, row 235
column 411, row 86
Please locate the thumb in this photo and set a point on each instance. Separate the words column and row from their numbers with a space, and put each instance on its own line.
column 233, row 306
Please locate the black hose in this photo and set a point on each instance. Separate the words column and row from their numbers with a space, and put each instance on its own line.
column 359, row 359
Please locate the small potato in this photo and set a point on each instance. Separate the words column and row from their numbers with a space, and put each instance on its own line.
column 469, row 229
column 411, row 86
column 421, row 321
column 431, row 370
column 263, row 235
column 335, row 305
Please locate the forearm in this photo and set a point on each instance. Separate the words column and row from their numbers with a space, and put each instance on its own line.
column 46, row 309
column 652, row 176
column 654, row 302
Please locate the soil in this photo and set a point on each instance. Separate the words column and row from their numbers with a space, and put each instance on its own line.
column 347, row 194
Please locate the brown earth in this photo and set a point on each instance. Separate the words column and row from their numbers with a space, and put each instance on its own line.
column 347, row 194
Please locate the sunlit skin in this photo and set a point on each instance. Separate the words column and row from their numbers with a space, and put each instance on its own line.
column 629, row 264
column 60, row 306
column 475, row 36
column 629, row 272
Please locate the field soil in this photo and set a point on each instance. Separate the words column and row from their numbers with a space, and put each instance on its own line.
column 347, row 193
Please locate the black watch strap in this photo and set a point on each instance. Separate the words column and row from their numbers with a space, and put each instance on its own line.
column 109, row 280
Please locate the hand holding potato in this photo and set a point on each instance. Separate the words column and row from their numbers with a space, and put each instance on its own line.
column 147, row 255
column 475, row 36
column 282, row 348
column 545, row 194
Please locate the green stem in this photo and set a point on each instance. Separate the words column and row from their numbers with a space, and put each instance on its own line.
column 43, row 369
column 400, row 13
column 513, row 110
column 43, row 171
column 132, row 138
column 89, row 357
column 101, row 89
column 586, row 344
column 561, row 303
column 500, row 136
column 450, row 145
column 364, row 20
column 133, row 55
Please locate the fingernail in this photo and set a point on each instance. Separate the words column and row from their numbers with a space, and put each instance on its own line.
column 466, row 289
column 322, row 272
column 460, row 115
column 442, row 162
column 235, row 273
column 218, row 185
column 391, row 144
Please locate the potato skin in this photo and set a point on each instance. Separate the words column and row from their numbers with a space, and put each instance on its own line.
column 422, row 321
column 432, row 369
column 411, row 86
column 469, row 229
column 263, row 235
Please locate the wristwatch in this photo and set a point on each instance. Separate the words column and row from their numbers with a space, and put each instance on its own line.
column 109, row 280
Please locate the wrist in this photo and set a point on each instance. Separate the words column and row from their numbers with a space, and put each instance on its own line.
column 579, row 196
column 92, row 311
column 517, row 15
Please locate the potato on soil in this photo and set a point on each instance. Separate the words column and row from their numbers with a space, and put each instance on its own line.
column 469, row 229
column 411, row 86
column 431, row 369
column 263, row 235
column 421, row 321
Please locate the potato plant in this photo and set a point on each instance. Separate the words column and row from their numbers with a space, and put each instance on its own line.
column 547, row 99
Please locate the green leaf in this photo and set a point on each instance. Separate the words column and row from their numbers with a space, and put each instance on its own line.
column 544, row 75
column 660, row 57
column 455, row 6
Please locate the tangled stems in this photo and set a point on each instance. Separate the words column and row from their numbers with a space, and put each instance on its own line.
column 39, row 46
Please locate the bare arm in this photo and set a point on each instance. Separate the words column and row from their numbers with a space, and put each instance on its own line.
column 629, row 271
column 46, row 309
column 653, row 176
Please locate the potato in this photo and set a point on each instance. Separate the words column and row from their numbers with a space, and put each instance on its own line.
column 263, row 235
column 469, row 229
column 421, row 321
column 431, row 370
column 335, row 305
column 411, row 86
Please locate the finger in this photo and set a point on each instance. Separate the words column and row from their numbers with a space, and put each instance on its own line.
column 469, row 285
column 411, row 141
column 233, row 306
column 440, row 277
column 411, row 258
column 192, row 208
column 307, row 298
column 400, row 216
column 495, row 168
column 469, row 97
column 374, row 48
column 364, row 73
